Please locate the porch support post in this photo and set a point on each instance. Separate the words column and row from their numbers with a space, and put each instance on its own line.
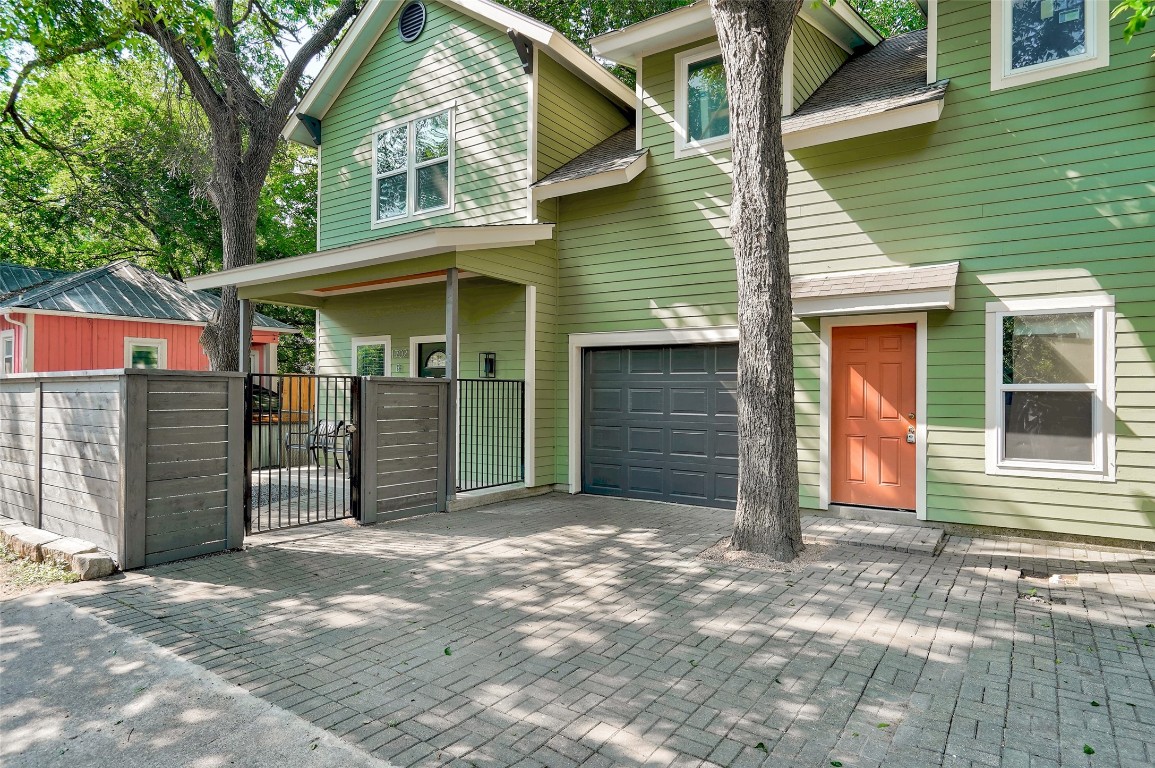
column 245, row 338
column 452, row 311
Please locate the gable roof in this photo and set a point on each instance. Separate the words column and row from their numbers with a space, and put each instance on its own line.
column 889, row 78
column 15, row 277
column 372, row 22
column 628, row 46
column 122, row 289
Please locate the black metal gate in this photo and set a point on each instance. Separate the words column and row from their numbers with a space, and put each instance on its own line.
column 491, row 433
column 302, row 449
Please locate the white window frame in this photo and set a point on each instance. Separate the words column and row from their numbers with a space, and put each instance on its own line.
column 7, row 336
column 414, row 341
column 1098, row 53
column 373, row 341
column 683, row 145
column 1102, row 468
column 161, row 350
column 411, row 212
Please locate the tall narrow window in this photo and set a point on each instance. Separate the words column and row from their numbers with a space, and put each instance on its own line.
column 7, row 352
column 701, row 102
column 1051, row 390
column 413, row 168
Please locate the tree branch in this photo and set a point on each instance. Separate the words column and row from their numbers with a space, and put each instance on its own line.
column 285, row 96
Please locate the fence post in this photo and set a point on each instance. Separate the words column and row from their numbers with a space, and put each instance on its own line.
column 367, row 453
column 38, row 498
column 448, row 479
column 247, row 469
column 132, row 539
column 237, row 489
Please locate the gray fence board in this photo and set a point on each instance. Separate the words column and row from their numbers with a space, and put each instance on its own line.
column 138, row 462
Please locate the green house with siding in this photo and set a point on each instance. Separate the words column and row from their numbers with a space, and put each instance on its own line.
column 968, row 210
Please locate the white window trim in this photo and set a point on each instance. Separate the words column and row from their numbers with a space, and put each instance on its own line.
column 825, row 407
column 371, row 341
column 415, row 340
column 1098, row 48
column 1103, row 467
column 161, row 350
column 683, row 147
column 412, row 214
column 4, row 337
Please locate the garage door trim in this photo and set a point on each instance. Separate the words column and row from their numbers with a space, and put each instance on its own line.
column 579, row 342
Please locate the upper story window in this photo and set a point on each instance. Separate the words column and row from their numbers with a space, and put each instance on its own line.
column 1033, row 40
column 413, row 168
column 1050, row 388
column 701, row 103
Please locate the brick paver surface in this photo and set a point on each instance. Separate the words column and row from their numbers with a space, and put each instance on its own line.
column 563, row 631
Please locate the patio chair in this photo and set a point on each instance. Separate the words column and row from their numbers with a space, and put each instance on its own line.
column 327, row 437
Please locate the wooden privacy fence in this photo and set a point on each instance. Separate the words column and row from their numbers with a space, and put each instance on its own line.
column 404, row 446
column 138, row 462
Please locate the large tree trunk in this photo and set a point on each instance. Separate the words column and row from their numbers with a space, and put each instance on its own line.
column 753, row 35
column 236, row 204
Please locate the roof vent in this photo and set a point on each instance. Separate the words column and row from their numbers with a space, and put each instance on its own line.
column 412, row 21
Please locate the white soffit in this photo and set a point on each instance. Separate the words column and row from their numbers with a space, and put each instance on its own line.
column 891, row 289
column 412, row 245
column 629, row 45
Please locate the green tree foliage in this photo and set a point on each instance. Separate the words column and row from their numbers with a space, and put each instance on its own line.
column 117, row 170
column 891, row 17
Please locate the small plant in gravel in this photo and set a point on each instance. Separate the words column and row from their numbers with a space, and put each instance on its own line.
column 25, row 573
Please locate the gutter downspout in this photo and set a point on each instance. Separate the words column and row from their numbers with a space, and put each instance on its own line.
column 25, row 340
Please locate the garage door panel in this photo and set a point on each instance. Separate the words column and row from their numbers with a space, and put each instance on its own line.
column 647, row 440
column 647, row 360
column 660, row 423
column 647, row 400
column 690, row 401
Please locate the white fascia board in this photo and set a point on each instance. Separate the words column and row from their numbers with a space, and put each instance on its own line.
column 426, row 242
column 589, row 183
column 852, row 19
column 375, row 17
column 341, row 65
column 904, row 117
column 628, row 46
column 857, row 304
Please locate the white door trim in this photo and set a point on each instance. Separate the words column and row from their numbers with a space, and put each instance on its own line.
column 919, row 321
column 415, row 340
column 578, row 342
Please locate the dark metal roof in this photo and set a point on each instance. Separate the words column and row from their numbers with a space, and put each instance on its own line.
column 889, row 76
column 15, row 278
column 615, row 153
column 122, row 289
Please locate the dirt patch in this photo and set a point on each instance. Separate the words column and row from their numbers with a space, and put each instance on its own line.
column 22, row 577
column 721, row 553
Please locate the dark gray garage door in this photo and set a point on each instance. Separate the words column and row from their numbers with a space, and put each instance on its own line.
column 661, row 423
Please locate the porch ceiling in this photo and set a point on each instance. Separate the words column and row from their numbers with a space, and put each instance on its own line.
column 421, row 256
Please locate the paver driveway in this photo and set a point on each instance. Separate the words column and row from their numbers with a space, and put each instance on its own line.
column 566, row 631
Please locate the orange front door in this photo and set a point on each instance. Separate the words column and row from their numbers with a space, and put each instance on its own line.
column 872, row 412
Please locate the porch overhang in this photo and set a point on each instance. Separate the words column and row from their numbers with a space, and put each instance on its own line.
column 295, row 280
column 891, row 289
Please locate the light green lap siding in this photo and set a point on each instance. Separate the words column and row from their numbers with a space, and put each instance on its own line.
column 572, row 116
column 815, row 59
column 459, row 60
column 1041, row 190
column 492, row 320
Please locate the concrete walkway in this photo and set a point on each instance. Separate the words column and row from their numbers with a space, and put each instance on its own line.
column 562, row 631
column 76, row 691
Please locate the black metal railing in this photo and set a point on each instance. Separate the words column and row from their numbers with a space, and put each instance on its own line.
column 303, row 449
column 491, row 433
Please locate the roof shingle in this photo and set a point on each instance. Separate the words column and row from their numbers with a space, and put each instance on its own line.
column 613, row 154
column 890, row 76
